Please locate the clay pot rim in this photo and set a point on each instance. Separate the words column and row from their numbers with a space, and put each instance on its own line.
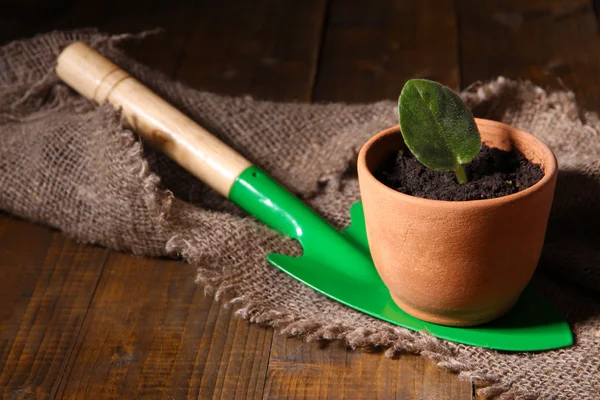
column 550, row 170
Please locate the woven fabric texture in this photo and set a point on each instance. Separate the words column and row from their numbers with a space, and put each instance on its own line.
column 69, row 164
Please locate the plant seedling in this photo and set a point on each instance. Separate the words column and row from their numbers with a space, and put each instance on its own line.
column 437, row 127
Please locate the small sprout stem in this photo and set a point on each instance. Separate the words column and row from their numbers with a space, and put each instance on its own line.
column 461, row 175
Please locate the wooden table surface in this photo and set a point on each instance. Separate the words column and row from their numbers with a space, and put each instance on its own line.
column 78, row 321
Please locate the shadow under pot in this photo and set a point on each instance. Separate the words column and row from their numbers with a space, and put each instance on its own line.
column 457, row 263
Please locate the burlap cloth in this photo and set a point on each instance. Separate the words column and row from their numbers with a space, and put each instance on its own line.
column 70, row 164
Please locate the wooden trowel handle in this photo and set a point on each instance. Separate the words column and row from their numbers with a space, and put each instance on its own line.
column 169, row 130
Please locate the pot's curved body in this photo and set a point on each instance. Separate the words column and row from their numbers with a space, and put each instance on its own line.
column 457, row 263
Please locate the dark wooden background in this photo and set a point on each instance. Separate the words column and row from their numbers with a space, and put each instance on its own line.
column 78, row 321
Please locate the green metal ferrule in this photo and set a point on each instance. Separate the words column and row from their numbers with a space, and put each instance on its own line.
column 261, row 196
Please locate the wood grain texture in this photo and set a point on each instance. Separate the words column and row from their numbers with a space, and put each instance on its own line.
column 331, row 371
column 149, row 331
column 152, row 333
column 20, row 19
column 265, row 48
column 46, row 284
column 369, row 52
column 553, row 43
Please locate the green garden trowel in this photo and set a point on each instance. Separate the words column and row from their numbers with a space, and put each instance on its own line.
column 337, row 264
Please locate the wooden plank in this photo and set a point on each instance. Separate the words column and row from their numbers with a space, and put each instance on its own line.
column 158, row 360
column 368, row 54
column 163, row 51
column 152, row 333
column 46, row 284
column 331, row 371
column 48, row 281
column 553, row 43
column 370, row 51
column 266, row 48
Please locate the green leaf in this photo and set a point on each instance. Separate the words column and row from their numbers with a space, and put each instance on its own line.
column 437, row 126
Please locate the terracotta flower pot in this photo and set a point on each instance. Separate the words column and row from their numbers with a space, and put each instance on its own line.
column 456, row 262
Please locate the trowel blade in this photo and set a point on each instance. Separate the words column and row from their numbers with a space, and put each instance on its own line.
column 533, row 324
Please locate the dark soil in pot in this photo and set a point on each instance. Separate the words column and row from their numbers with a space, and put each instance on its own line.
column 493, row 173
